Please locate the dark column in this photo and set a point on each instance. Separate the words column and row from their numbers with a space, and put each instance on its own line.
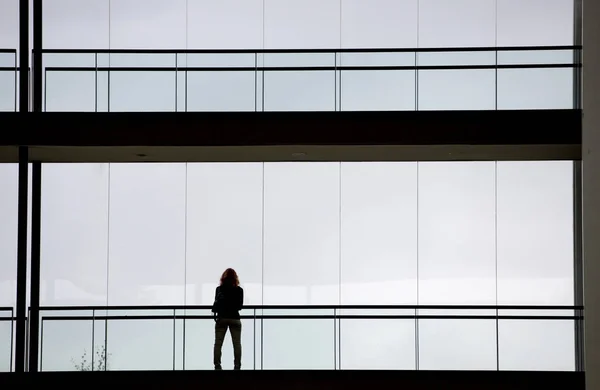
column 23, row 55
column 34, row 313
column 21, row 329
column 37, row 55
column 36, row 193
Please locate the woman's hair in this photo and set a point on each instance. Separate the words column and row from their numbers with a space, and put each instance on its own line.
column 230, row 278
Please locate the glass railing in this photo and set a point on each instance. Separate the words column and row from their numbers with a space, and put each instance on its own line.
column 8, row 80
column 6, row 338
column 311, row 80
column 313, row 337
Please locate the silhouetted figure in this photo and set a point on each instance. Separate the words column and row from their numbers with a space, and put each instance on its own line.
column 229, row 299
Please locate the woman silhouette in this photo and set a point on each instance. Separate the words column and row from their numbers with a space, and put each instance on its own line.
column 229, row 299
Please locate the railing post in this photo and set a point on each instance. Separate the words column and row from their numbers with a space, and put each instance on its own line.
column 21, row 331
column 174, row 338
column 34, row 317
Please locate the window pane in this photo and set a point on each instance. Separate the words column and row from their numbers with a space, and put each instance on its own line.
column 143, row 91
column 9, row 24
column 70, row 91
column 224, row 229
column 8, row 79
column 457, row 23
column 6, row 334
column 225, row 24
column 9, row 199
column 135, row 344
column 535, row 88
column 457, row 89
column 457, row 257
column 76, row 24
column 221, row 91
column 535, row 233
column 298, row 344
column 147, row 234
column 299, row 90
column 301, row 234
column 377, row 344
column 457, row 344
column 148, row 24
column 66, row 345
column 378, row 90
column 537, row 345
column 535, row 22
column 301, row 24
column 379, row 23
column 379, row 234
column 74, row 237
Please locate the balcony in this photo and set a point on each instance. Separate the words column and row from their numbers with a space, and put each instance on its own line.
column 509, row 78
column 463, row 338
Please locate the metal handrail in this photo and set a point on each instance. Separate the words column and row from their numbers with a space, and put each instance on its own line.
column 292, row 51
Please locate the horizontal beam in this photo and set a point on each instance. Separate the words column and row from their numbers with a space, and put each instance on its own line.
column 199, row 154
column 421, row 128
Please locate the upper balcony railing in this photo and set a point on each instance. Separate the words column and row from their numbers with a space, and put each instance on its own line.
column 408, row 337
column 311, row 80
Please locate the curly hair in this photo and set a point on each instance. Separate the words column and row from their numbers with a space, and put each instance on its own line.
column 230, row 278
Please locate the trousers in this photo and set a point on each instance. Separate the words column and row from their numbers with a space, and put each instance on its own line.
column 235, row 328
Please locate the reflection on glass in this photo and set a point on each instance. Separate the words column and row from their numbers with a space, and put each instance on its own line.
column 299, row 90
column 379, row 233
column 66, row 345
column 387, row 344
column 290, row 24
column 535, row 233
column 298, row 344
column 378, row 90
column 301, row 233
column 6, row 334
column 456, row 23
column 221, row 91
column 457, row 344
column 213, row 22
column 520, row 89
column 534, row 22
column 379, row 23
column 139, row 344
column 224, row 229
column 537, row 345
column 7, row 89
column 143, row 90
column 74, row 239
column 70, row 91
column 147, row 234
column 157, row 25
column 8, row 233
column 473, row 89
column 457, row 253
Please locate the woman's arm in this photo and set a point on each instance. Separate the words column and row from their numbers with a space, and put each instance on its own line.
column 241, row 299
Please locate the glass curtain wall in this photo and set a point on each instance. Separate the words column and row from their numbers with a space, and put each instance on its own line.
column 379, row 233
column 101, row 82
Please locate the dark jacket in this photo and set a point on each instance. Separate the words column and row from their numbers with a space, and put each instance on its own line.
column 231, row 302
